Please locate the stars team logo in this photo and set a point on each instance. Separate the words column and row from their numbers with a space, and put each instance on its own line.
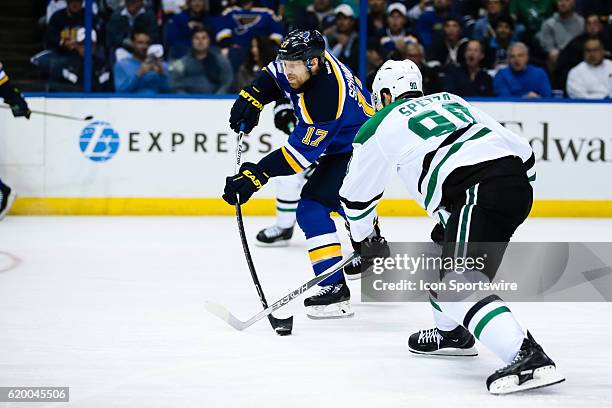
column 99, row 142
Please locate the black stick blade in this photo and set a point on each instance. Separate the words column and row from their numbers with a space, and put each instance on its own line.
column 282, row 327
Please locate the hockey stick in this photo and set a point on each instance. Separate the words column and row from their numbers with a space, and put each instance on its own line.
column 56, row 115
column 222, row 313
column 282, row 327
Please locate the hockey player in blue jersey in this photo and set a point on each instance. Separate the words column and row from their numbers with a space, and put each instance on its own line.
column 19, row 107
column 330, row 105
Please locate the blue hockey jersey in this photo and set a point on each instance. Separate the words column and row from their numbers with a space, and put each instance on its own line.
column 330, row 108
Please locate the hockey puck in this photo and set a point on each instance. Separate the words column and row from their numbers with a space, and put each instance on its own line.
column 283, row 331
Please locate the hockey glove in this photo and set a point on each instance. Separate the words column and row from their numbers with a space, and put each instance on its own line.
column 17, row 102
column 284, row 119
column 246, row 110
column 249, row 179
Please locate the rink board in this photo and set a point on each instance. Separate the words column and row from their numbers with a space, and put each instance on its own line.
column 171, row 155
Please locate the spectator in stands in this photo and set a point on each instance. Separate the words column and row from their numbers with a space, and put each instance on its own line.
column 531, row 13
column 418, row 9
column 499, row 45
column 124, row 20
column 374, row 60
column 521, row 79
column 319, row 15
column 203, row 70
column 469, row 79
column 429, row 26
column 239, row 25
column 115, row 5
column 573, row 52
column 144, row 72
column 431, row 75
column 67, row 73
column 180, row 26
column 484, row 28
column 62, row 45
column 344, row 40
column 396, row 37
column 263, row 51
column 63, row 27
column 377, row 18
column 173, row 7
column 450, row 48
column 559, row 30
column 592, row 78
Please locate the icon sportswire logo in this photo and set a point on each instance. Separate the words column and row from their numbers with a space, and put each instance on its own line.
column 99, row 142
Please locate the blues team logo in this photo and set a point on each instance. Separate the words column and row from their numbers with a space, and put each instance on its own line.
column 99, row 142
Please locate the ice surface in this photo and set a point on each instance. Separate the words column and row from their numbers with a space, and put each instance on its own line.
column 113, row 308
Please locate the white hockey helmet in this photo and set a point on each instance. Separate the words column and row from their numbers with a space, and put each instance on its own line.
column 396, row 77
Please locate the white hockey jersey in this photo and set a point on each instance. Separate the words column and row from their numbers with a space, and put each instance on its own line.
column 424, row 140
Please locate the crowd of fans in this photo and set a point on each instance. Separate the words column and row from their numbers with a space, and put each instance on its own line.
column 507, row 48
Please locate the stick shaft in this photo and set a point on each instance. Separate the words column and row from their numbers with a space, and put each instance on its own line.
column 245, row 244
column 55, row 115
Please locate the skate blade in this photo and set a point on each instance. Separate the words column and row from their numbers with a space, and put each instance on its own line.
column 542, row 377
column 340, row 310
column 361, row 275
column 275, row 244
column 9, row 204
column 448, row 352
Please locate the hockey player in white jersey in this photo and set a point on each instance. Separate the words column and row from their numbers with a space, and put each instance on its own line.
column 473, row 177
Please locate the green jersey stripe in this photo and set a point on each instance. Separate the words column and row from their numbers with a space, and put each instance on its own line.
column 487, row 318
column 433, row 180
column 435, row 305
column 357, row 218
column 286, row 209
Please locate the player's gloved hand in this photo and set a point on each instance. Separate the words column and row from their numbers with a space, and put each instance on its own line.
column 374, row 246
column 18, row 104
column 249, row 179
column 246, row 110
column 284, row 118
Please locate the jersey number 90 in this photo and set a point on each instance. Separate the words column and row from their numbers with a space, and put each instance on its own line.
column 433, row 123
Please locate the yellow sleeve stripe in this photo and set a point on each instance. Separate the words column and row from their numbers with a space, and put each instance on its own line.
column 305, row 113
column 367, row 107
column 292, row 162
column 340, row 80
column 4, row 80
column 326, row 252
